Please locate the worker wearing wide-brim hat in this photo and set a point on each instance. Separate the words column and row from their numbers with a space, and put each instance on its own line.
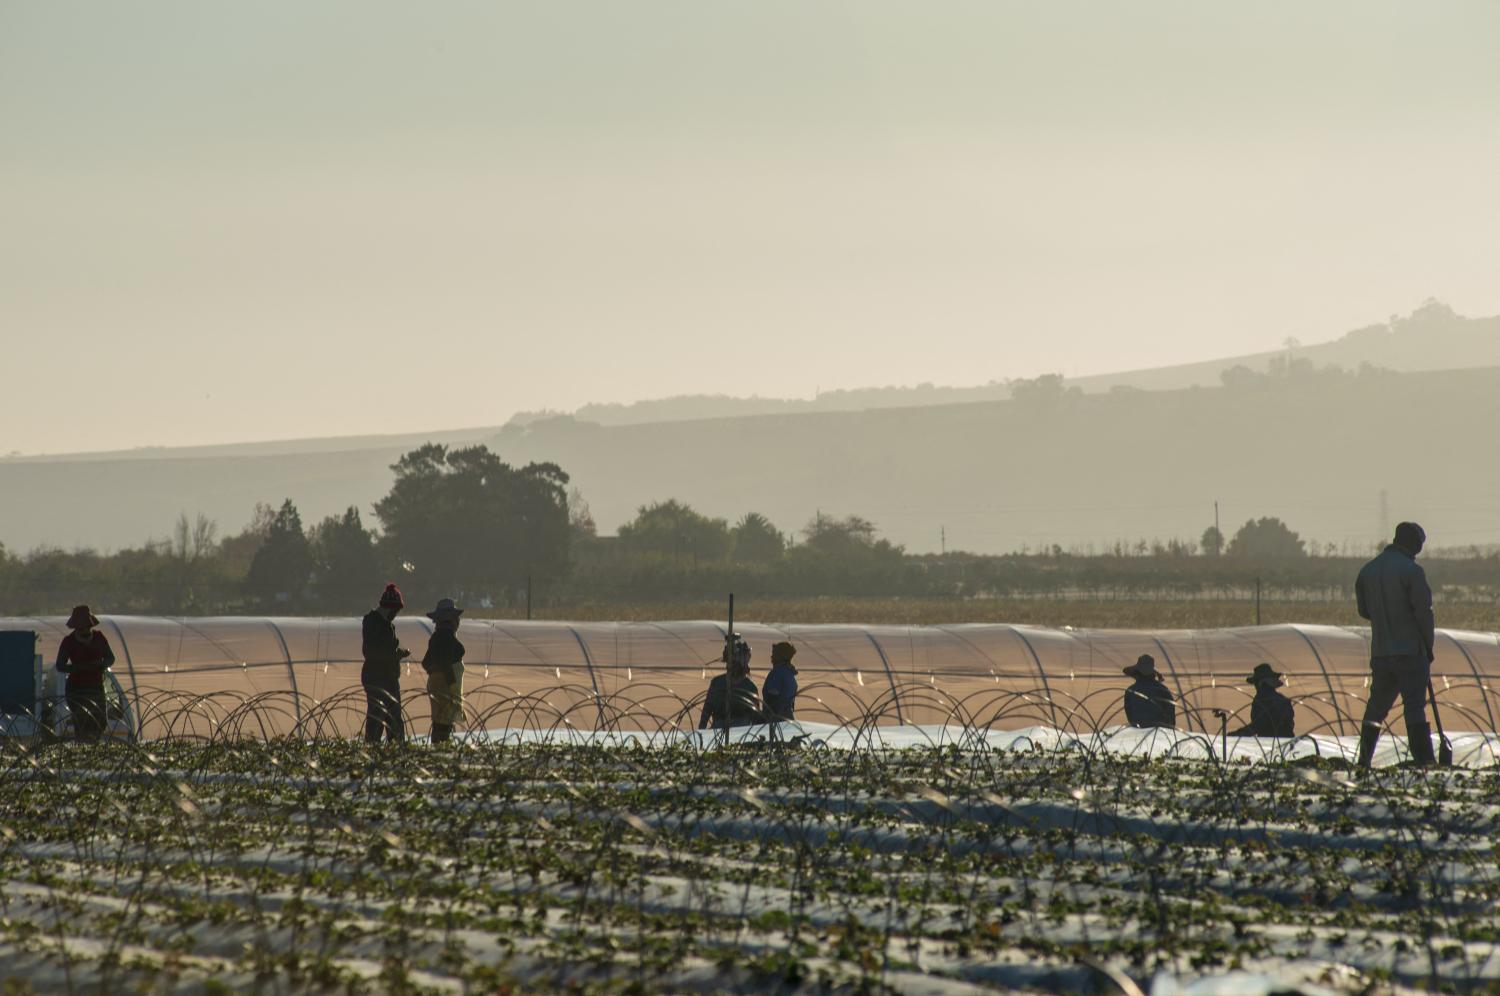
column 444, row 664
column 1148, row 702
column 84, row 655
column 1271, row 713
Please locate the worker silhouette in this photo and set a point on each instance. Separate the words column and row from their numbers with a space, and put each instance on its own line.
column 1392, row 593
column 1148, row 702
column 1271, row 713
column 732, row 698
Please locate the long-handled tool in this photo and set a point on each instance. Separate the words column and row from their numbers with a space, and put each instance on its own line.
column 1445, row 749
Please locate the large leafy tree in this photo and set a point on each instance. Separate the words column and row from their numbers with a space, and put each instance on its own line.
column 283, row 566
column 1267, row 539
column 756, row 541
column 348, row 565
column 674, row 530
column 468, row 525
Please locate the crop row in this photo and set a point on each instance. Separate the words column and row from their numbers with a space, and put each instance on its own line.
column 305, row 867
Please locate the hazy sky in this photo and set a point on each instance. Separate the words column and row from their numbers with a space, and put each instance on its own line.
column 229, row 221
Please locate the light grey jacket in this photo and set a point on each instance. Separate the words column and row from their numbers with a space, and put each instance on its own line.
column 1392, row 593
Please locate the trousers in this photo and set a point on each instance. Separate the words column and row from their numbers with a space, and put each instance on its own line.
column 86, row 706
column 383, row 710
column 1393, row 676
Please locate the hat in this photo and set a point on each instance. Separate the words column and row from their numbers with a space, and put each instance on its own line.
column 82, row 618
column 445, row 610
column 741, row 663
column 782, row 652
column 1144, row 667
column 391, row 597
column 1265, row 672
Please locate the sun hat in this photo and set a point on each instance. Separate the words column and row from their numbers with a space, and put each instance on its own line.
column 1265, row 672
column 1144, row 667
column 445, row 610
column 82, row 618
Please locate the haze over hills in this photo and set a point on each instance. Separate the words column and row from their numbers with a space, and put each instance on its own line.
column 1433, row 337
column 1068, row 468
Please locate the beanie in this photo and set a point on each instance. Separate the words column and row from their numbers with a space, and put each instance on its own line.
column 391, row 597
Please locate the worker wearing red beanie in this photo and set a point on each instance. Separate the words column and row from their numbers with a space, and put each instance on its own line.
column 381, row 674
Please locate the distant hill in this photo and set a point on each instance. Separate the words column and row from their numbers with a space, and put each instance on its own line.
column 1433, row 337
column 1315, row 448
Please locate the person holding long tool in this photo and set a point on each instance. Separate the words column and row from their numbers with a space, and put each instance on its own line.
column 1392, row 593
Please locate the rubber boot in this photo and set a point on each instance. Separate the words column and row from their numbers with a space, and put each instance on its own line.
column 1419, row 739
column 440, row 732
column 1368, row 737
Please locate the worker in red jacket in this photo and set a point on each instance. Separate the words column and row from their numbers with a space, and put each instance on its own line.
column 84, row 655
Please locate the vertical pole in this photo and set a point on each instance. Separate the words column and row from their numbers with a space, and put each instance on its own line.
column 944, row 533
column 1257, row 601
column 528, row 598
column 1220, row 547
column 728, row 665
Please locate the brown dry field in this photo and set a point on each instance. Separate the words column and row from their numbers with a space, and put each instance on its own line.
column 1084, row 614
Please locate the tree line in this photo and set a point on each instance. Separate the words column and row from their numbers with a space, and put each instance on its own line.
column 464, row 523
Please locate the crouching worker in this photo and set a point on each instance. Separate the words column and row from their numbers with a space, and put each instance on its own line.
column 84, row 655
column 381, row 674
column 780, row 689
column 732, row 698
column 1148, row 702
column 444, row 664
column 1271, row 713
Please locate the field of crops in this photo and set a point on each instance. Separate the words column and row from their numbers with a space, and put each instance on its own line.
column 685, row 867
column 1154, row 612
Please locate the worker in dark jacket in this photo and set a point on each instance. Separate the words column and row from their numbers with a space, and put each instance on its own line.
column 381, row 674
column 84, row 655
column 444, row 664
column 1148, row 703
column 1392, row 592
column 1271, row 713
column 780, row 688
column 732, row 698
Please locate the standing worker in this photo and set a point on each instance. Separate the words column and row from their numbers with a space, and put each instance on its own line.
column 381, row 674
column 732, row 698
column 1392, row 593
column 84, row 655
column 1148, row 702
column 780, row 689
column 444, row 664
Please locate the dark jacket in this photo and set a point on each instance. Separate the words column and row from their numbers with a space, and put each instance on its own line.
column 443, row 651
column 780, row 692
column 383, row 653
column 1391, row 591
column 1148, row 703
column 744, row 704
column 1271, row 715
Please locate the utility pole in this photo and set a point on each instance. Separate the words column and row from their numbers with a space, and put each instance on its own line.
column 944, row 532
